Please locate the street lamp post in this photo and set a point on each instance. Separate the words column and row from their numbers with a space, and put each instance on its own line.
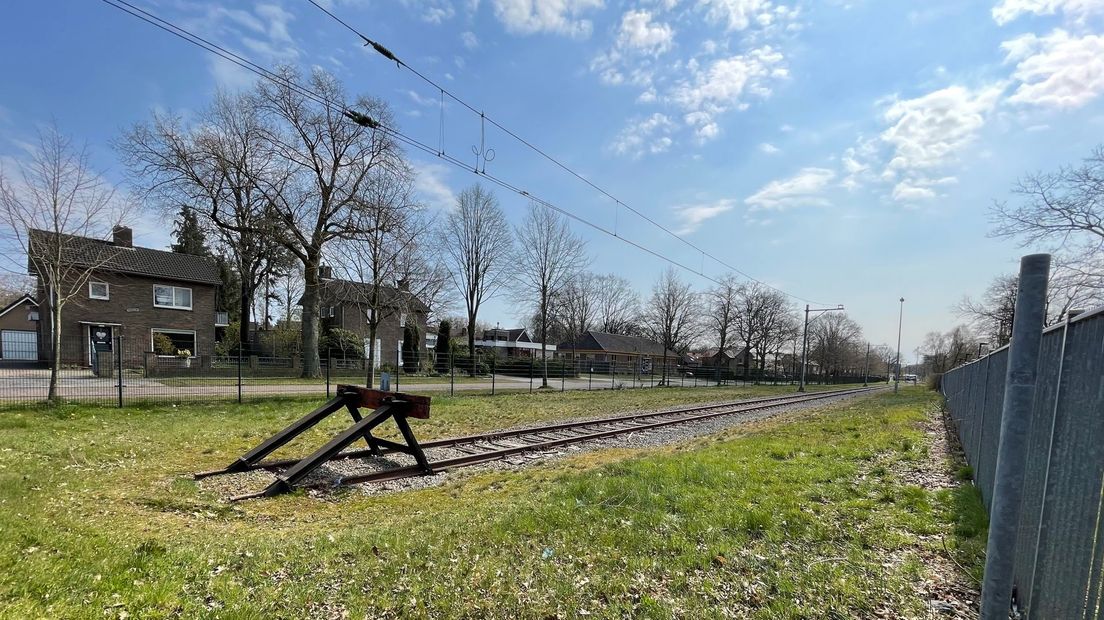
column 805, row 341
column 900, row 320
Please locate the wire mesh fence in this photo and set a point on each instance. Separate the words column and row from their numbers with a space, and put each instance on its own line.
column 1059, row 553
column 119, row 370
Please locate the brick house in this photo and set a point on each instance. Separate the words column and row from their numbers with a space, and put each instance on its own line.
column 626, row 353
column 344, row 305
column 19, row 330
column 154, row 299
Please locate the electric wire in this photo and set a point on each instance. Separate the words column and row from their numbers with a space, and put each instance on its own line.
column 214, row 48
column 387, row 53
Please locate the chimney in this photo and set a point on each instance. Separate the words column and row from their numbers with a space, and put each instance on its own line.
column 122, row 236
column 325, row 272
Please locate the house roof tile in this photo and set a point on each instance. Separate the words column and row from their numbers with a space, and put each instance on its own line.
column 106, row 256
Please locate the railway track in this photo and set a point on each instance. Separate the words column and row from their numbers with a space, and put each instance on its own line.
column 484, row 447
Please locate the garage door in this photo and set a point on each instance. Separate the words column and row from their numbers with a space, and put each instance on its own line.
column 19, row 345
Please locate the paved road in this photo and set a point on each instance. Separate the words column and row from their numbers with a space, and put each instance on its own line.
column 31, row 385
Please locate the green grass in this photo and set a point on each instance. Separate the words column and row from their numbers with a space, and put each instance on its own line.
column 783, row 520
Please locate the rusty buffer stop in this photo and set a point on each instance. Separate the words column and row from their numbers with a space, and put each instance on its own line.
column 383, row 405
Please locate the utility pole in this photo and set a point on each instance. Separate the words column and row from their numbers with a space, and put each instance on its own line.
column 805, row 341
column 900, row 320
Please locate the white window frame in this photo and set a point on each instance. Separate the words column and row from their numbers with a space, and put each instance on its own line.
column 402, row 319
column 191, row 300
column 166, row 330
column 107, row 290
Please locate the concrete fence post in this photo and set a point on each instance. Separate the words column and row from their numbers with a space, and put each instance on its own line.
column 1019, row 395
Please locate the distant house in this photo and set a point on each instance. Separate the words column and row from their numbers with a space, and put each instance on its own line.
column 345, row 305
column 624, row 352
column 512, row 343
column 731, row 360
column 19, row 330
column 157, row 301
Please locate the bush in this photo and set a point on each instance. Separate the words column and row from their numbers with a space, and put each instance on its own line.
column 348, row 344
column 162, row 345
column 935, row 381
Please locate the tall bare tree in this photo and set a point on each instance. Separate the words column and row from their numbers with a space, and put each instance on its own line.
column 549, row 256
column 384, row 254
column 671, row 315
column 617, row 305
column 332, row 162
column 477, row 249
column 50, row 206
column 834, row 339
column 1063, row 210
column 760, row 321
column 221, row 168
column 721, row 310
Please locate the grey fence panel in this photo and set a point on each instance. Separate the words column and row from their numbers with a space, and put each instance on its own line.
column 990, row 424
column 1037, row 458
column 1059, row 570
column 1073, row 489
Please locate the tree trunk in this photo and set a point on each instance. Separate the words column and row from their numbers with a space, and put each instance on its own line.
column 245, row 298
column 471, row 341
column 312, row 365
column 544, row 345
column 55, row 346
column 370, row 371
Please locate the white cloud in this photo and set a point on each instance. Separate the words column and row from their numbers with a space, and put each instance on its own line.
column 469, row 40
column 1057, row 70
column 263, row 35
column 1008, row 10
column 554, row 16
column 769, row 149
column 646, row 136
column 931, row 130
column 431, row 186
column 638, row 32
column 737, row 14
column 727, row 83
column 804, row 188
column 432, row 11
column 691, row 217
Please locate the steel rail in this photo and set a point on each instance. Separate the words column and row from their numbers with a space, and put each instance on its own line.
column 452, row 442
column 500, row 453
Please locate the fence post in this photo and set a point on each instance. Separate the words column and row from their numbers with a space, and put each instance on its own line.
column 119, row 367
column 398, row 368
column 590, row 378
column 493, row 368
column 452, row 376
column 530, row 375
column 563, row 376
column 1019, row 394
column 329, row 365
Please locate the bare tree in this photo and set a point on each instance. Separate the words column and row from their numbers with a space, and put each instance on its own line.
column 383, row 253
column 760, row 320
column 548, row 257
column 574, row 309
column 834, row 340
column 1063, row 210
column 50, row 208
column 221, row 168
column 332, row 161
column 722, row 308
column 617, row 306
column 671, row 315
column 478, row 246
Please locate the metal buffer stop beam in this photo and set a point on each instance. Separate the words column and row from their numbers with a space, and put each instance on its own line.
column 383, row 406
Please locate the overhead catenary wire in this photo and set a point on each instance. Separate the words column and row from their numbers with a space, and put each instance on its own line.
column 360, row 118
column 387, row 53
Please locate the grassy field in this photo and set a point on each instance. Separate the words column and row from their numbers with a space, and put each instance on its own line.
column 788, row 519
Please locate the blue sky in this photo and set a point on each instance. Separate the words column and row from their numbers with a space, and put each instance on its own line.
column 843, row 151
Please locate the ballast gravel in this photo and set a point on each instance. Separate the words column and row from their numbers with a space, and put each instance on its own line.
column 321, row 482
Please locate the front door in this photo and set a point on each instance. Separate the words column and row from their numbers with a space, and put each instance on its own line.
column 99, row 341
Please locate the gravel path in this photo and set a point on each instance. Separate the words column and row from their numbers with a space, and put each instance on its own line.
column 229, row 485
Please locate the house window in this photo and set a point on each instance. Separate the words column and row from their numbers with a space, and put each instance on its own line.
column 98, row 290
column 169, row 341
column 402, row 319
column 176, row 297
